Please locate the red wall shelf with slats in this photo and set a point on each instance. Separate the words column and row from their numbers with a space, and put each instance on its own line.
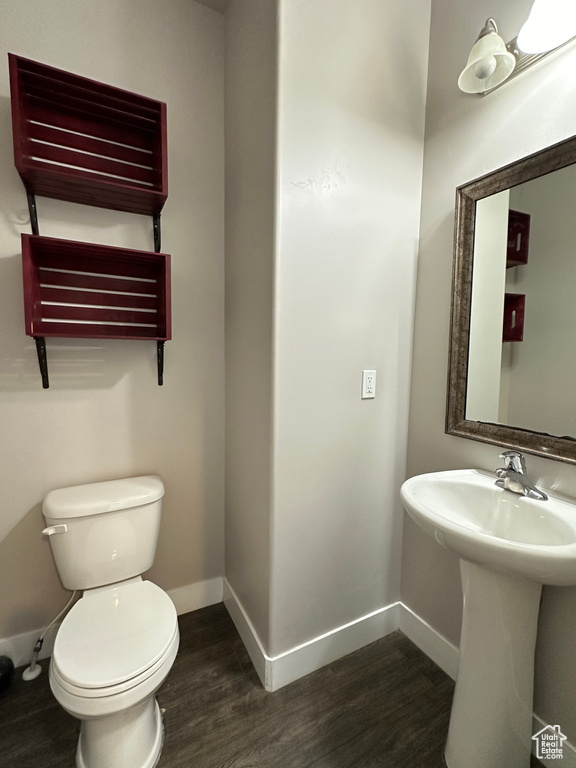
column 81, row 290
column 82, row 141
column 514, row 309
column 518, row 239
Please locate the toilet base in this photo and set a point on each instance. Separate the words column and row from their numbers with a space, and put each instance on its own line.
column 132, row 738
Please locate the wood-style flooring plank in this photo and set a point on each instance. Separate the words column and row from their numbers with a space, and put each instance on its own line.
column 35, row 732
column 410, row 737
column 298, row 723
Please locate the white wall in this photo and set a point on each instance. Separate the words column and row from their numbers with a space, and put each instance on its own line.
column 467, row 136
column 104, row 415
column 251, row 54
column 320, row 286
column 351, row 101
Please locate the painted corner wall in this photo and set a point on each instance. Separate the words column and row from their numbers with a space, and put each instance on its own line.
column 352, row 90
column 104, row 415
column 251, row 55
column 324, row 132
column 467, row 136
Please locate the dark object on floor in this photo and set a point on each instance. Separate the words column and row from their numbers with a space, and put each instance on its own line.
column 6, row 673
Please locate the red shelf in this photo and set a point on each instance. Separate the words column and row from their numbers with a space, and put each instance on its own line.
column 82, row 141
column 518, row 239
column 81, row 290
column 514, row 308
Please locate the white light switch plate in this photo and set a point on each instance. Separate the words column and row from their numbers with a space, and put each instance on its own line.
column 368, row 384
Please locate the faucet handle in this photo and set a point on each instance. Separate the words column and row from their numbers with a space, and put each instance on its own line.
column 515, row 461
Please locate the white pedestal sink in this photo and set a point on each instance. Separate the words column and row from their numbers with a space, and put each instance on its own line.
column 509, row 546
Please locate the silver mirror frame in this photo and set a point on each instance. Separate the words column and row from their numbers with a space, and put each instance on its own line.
column 539, row 164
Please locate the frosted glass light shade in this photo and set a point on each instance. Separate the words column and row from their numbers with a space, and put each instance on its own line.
column 551, row 23
column 488, row 65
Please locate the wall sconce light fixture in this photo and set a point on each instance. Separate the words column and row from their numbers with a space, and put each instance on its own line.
column 489, row 63
column 550, row 25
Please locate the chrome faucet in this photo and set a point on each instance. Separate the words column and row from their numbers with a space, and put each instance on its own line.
column 512, row 476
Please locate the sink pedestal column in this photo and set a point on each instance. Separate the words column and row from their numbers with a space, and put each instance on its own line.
column 491, row 721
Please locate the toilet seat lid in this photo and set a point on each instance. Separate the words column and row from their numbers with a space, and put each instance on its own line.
column 115, row 633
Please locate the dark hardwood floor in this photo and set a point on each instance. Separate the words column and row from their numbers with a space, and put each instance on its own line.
column 385, row 706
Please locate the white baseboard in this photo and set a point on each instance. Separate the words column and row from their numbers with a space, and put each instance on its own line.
column 432, row 643
column 20, row 648
column 277, row 671
column 198, row 595
column 246, row 630
column 568, row 749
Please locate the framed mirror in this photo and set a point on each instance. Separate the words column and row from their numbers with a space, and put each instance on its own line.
column 512, row 362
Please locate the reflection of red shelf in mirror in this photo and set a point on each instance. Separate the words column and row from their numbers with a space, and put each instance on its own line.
column 83, row 141
column 518, row 238
column 81, row 290
column 514, row 305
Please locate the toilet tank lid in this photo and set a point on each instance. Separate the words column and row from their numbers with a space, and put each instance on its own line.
column 95, row 498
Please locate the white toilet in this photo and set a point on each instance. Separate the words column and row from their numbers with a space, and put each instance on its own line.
column 117, row 644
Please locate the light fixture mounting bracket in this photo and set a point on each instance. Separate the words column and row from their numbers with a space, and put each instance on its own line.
column 524, row 61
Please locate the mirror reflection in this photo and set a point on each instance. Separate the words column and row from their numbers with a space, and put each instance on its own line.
column 522, row 371
column 512, row 373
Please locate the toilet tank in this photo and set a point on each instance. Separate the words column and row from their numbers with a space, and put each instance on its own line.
column 103, row 533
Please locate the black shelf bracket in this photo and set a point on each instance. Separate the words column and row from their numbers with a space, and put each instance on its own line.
column 33, row 212
column 160, row 356
column 42, row 360
column 157, row 233
column 160, row 344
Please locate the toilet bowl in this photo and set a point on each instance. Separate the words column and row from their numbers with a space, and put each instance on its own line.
column 112, row 653
column 116, row 646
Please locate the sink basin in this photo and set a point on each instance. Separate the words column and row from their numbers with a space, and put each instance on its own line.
column 483, row 524
column 509, row 546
